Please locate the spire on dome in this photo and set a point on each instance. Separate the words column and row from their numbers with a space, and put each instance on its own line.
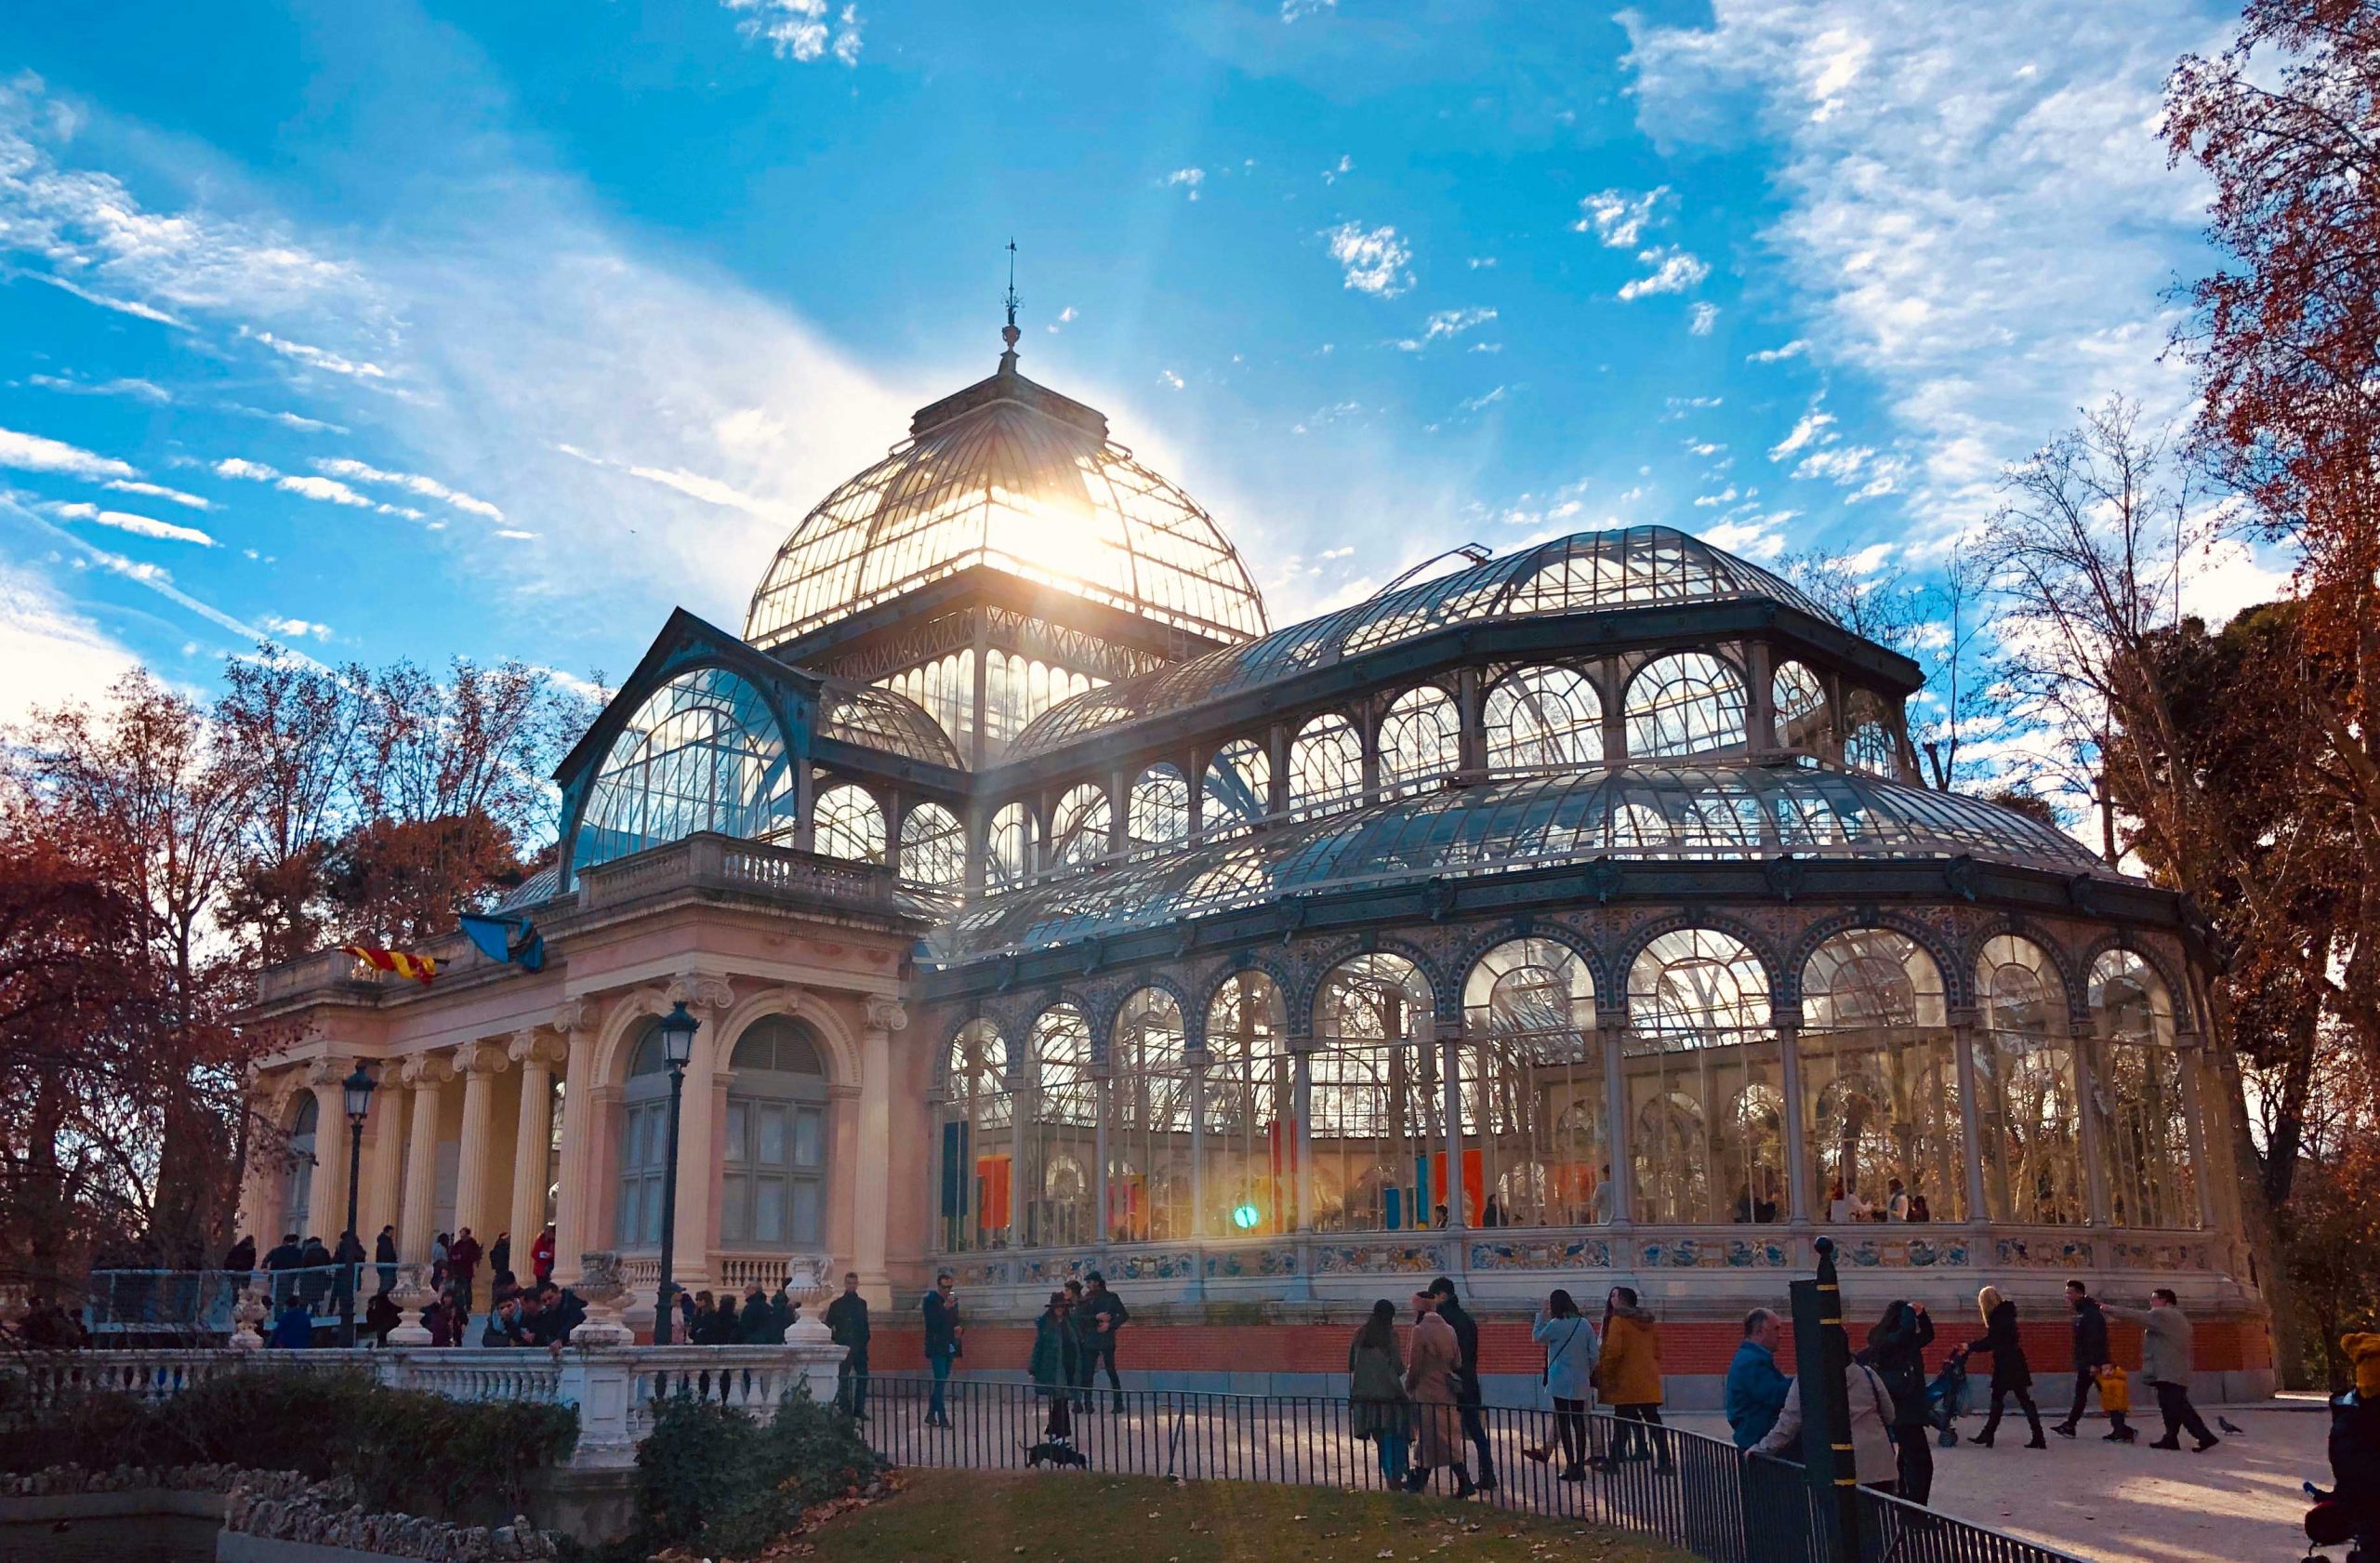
column 1008, row 332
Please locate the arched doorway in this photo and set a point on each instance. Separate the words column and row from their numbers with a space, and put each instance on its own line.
column 774, row 1194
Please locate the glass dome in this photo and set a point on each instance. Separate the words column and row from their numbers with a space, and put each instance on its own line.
column 879, row 719
column 1642, row 566
column 1010, row 474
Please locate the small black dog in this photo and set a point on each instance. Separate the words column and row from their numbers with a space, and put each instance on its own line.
column 1053, row 1451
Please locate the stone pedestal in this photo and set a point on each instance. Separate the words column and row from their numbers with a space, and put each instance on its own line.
column 412, row 1294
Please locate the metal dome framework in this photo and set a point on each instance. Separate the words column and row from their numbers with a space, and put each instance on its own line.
column 1012, row 475
column 1588, row 571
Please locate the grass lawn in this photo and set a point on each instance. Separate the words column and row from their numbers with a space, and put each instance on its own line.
column 959, row 1517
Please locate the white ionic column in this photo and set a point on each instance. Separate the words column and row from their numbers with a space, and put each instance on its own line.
column 383, row 1157
column 424, row 1074
column 537, row 1052
column 872, row 1213
column 479, row 1063
column 581, row 1119
column 709, row 998
column 326, row 1192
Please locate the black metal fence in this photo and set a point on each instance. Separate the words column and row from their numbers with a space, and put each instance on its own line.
column 1695, row 1492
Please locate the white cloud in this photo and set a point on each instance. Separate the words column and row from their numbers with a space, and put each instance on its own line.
column 1481, row 263
column 316, row 358
column 1755, row 536
column 1292, row 10
column 240, row 467
column 1701, row 317
column 1793, row 349
column 1618, row 218
column 799, row 30
column 328, row 490
column 37, row 453
column 414, row 483
column 139, row 389
column 139, row 525
column 1345, row 166
column 291, row 420
column 1066, row 318
column 1191, row 178
column 1448, row 323
column 1971, row 193
column 1376, row 260
column 1484, row 401
column 1712, row 501
column 159, row 491
column 1167, row 377
column 1813, row 425
column 1675, row 271
column 54, row 655
column 296, row 629
column 109, row 301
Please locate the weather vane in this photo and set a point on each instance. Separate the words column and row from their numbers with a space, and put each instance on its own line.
column 1008, row 332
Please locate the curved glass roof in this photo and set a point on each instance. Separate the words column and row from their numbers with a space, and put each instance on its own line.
column 1636, row 813
column 879, row 719
column 1639, row 567
column 1010, row 474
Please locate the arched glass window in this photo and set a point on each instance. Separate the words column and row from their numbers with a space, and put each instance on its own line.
column 1868, row 735
column 1062, row 1146
column 1148, row 1136
column 1238, row 788
column 977, row 1142
column 1421, row 740
column 1080, row 827
column 1700, row 1068
column 2142, row 1096
column 1800, row 701
column 1543, row 719
column 934, row 847
column 644, row 1142
column 1686, row 703
column 1880, row 1083
column 1008, row 848
column 1533, row 1089
column 1250, row 1143
column 701, row 753
column 849, row 824
column 2027, row 1111
column 298, row 1184
column 1159, row 814
column 1325, row 764
column 772, row 1195
column 1379, row 1133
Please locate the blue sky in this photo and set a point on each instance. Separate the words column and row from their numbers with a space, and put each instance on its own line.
column 498, row 330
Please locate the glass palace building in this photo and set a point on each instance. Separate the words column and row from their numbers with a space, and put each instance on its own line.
column 1570, row 918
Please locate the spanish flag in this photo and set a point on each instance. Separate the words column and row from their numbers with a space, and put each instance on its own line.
column 421, row 968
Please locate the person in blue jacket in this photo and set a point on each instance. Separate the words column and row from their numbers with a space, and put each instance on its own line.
column 1756, row 1385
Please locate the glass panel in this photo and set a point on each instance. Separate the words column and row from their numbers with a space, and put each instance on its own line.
column 1160, row 808
column 734, row 1209
column 1800, row 702
column 768, row 1209
column 701, row 753
column 1543, row 719
column 809, row 1136
column 1533, row 1086
column 2025, row 1107
column 1250, row 1146
column 1238, row 788
column 1326, row 764
column 808, row 1215
column 933, row 848
column 1149, row 1151
column 737, row 1114
column 1690, row 703
column 1702, row 1078
column 771, row 1141
column 1079, row 827
column 1008, row 848
column 850, row 824
column 1378, row 1102
column 1420, row 740
column 1880, row 1083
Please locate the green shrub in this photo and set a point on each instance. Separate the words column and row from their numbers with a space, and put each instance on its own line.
column 408, row 1451
column 713, row 1480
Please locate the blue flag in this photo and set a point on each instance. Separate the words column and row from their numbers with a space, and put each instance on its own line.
column 512, row 940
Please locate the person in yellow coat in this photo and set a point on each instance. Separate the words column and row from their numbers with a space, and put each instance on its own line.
column 1629, row 1377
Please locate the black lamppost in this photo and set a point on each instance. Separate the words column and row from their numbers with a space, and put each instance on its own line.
column 358, row 1088
column 678, row 1028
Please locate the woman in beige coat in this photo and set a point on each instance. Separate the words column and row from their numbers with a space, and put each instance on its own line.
column 1433, row 1368
column 1872, row 1419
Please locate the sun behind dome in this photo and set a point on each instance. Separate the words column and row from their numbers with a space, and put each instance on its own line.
column 1010, row 474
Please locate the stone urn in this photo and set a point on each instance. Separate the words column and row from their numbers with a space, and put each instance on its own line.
column 807, row 1287
column 600, row 1287
column 412, row 1293
column 247, row 1314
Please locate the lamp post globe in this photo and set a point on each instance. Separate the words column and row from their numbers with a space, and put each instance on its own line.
column 678, row 1028
column 357, row 1088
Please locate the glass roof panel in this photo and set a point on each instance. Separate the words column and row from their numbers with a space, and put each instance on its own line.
column 879, row 719
column 1593, row 570
column 1688, row 813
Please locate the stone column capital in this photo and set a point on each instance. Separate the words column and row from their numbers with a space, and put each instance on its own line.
column 532, row 1045
column 329, row 1070
column 699, row 991
column 575, row 1015
column 482, row 1057
column 886, row 1014
column 427, row 1071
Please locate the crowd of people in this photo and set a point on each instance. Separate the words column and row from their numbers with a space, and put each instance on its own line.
column 307, row 1281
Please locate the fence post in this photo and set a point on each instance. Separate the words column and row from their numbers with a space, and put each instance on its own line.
column 1822, row 1358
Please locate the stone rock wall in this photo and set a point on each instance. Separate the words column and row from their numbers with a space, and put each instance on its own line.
column 326, row 1514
